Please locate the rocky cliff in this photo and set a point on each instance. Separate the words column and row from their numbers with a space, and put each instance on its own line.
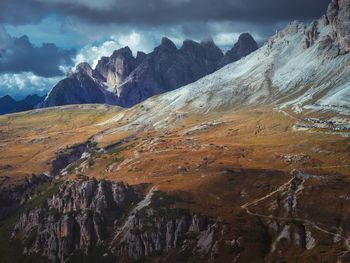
column 103, row 219
column 338, row 15
column 74, row 220
column 80, row 87
column 158, row 227
column 168, row 68
column 124, row 80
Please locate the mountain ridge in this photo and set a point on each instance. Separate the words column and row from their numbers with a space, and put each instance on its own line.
column 10, row 105
column 302, row 68
column 125, row 80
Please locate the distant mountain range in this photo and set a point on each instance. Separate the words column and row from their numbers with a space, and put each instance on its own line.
column 10, row 105
column 125, row 80
column 302, row 68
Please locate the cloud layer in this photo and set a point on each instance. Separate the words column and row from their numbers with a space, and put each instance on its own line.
column 97, row 28
column 156, row 12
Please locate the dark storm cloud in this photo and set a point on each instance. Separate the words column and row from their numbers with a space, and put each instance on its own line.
column 21, row 11
column 19, row 55
column 156, row 12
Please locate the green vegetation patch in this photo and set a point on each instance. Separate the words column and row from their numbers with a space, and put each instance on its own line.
column 11, row 248
column 118, row 149
column 45, row 191
column 75, row 165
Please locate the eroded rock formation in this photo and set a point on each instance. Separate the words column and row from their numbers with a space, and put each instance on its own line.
column 338, row 15
column 73, row 220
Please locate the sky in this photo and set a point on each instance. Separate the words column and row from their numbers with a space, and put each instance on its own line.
column 41, row 40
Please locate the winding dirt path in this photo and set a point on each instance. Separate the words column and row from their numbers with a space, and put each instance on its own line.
column 306, row 222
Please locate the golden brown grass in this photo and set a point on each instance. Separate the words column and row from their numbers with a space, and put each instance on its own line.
column 216, row 170
column 30, row 140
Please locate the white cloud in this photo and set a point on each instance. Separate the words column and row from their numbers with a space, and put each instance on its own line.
column 19, row 85
column 92, row 53
column 226, row 39
column 134, row 40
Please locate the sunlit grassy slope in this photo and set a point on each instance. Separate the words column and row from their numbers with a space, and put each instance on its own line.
column 216, row 162
column 29, row 140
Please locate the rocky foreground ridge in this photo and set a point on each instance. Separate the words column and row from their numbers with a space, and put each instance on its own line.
column 110, row 221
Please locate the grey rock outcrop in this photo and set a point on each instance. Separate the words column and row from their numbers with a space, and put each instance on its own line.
column 73, row 220
column 81, row 87
column 338, row 15
column 81, row 216
column 115, row 69
column 124, row 80
column 165, row 69
column 159, row 228
column 311, row 34
column 149, row 235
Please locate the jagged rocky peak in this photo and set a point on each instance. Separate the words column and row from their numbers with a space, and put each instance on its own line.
column 141, row 56
column 209, row 42
column 205, row 50
column 213, row 52
column 291, row 29
column 84, row 68
column 124, row 80
column 124, row 52
column 192, row 48
column 245, row 45
column 168, row 44
column 338, row 15
column 246, row 38
column 116, row 68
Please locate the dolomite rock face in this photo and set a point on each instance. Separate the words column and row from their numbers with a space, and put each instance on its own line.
column 168, row 68
column 338, row 15
column 73, row 220
column 116, row 69
column 158, row 226
column 311, row 34
column 84, row 215
column 149, row 234
column 125, row 80
column 80, row 87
